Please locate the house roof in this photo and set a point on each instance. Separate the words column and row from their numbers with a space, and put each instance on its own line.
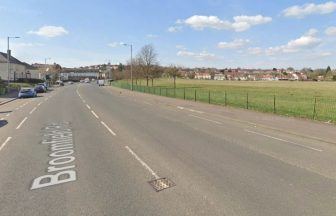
column 13, row 60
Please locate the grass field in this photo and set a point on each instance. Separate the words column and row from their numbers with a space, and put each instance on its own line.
column 313, row 100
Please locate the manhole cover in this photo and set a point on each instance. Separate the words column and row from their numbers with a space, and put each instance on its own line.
column 161, row 184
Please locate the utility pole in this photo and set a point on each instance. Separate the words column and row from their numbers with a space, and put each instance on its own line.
column 8, row 57
column 131, row 46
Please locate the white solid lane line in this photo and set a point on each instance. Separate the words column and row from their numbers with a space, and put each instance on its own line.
column 88, row 106
column 216, row 122
column 21, row 123
column 287, row 141
column 109, row 129
column 142, row 162
column 95, row 115
column 3, row 144
column 32, row 110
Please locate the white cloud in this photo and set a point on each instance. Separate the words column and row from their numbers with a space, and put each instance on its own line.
column 113, row 44
column 298, row 11
column 175, row 28
column 240, row 23
column 331, row 31
column 306, row 41
column 203, row 56
column 255, row 50
column 152, row 36
column 50, row 31
column 235, row 44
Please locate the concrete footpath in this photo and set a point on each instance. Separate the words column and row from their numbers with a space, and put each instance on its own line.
column 12, row 95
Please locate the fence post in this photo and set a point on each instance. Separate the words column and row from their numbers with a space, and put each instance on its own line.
column 274, row 110
column 184, row 93
column 247, row 100
column 314, row 112
column 209, row 97
column 225, row 102
column 195, row 95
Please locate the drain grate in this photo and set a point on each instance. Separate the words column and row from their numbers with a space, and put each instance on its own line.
column 161, row 184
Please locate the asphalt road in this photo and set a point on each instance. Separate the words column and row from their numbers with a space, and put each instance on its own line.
column 89, row 150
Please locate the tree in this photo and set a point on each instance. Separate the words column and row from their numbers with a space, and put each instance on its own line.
column 147, row 58
column 174, row 72
column 327, row 71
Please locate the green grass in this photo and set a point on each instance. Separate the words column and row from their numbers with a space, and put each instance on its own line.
column 291, row 98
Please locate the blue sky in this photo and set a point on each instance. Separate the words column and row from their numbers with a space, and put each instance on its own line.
column 209, row 33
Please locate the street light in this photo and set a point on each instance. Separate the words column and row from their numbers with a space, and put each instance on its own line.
column 8, row 57
column 131, row 46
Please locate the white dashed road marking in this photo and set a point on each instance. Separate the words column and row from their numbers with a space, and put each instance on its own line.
column 21, row 123
column 32, row 110
column 95, row 115
column 88, row 106
column 287, row 141
column 6, row 141
column 216, row 122
column 109, row 129
column 142, row 162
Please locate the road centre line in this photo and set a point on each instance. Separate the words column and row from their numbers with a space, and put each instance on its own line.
column 39, row 103
column 142, row 162
column 216, row 122
column 88, row 106
column 200, row 112
column 21, row 123
column 283, row 140
column 109, row 129
column 32, row 110
column 6, row 141
column 94, row 114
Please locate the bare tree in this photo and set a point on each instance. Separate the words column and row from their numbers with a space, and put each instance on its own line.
column 174, row 72
column 147, row 59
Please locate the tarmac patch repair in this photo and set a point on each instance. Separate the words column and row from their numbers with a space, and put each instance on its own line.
column 59, row 138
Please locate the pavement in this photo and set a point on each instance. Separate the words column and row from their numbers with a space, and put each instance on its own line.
column 8, row 97
column 88, row 150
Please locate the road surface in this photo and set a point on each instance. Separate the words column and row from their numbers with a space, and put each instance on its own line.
column 88, row 150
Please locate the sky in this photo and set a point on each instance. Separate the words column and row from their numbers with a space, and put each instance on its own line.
column 189, row 33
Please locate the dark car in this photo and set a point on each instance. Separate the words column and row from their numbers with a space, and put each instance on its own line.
column 40, row 89
column 27, row 93
column 44, row 84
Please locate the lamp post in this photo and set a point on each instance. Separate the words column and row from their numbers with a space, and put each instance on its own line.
column 131, row 46
column 8, row 57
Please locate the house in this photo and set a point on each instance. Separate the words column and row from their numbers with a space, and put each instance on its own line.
column 200, row 75
column 219, row 76
column 18, row 69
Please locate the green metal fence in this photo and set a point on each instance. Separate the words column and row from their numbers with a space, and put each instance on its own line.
column 317, row 108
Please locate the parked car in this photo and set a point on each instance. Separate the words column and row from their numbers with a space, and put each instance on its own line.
column 27, row 93
column 44, row 84
column 40, row 89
